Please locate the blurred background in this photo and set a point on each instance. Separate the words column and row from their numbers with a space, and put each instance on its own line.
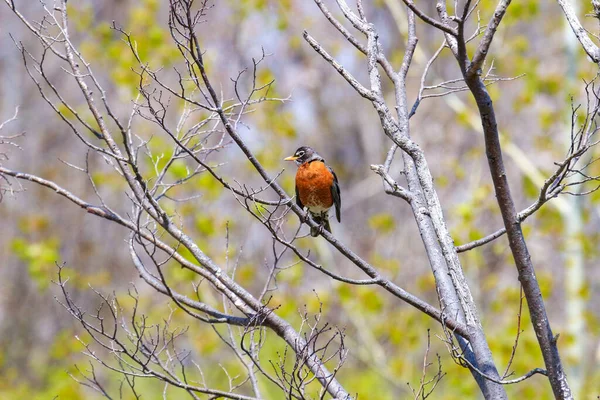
column 386, row 338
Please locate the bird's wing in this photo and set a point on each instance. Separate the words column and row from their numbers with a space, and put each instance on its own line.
column 298, row 201
column 337, row 198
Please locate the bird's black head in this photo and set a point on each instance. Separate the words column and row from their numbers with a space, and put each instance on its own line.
column 303, row 155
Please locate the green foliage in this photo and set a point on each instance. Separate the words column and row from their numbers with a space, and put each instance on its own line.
column 530, row 188
column 40, row 258
column 550, row 221
column 291, row 276
column 591, row 245
column 369, row 299
column 468, row 213
column 208, row 186
column 382, row 222
column 370, row 384
column 504, row 326
column 522, row 11
column 547, row 119
column 367, row 313
column 106, row 47
column 205, row 225
column 383, row 264
column 51, row 370
column 179, row 170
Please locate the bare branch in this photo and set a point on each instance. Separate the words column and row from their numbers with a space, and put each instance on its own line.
column 488, row 36
column 338, row 67
column 588, row 45
column 429, row 20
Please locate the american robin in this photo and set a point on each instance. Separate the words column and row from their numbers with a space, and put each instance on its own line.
column 317, row 187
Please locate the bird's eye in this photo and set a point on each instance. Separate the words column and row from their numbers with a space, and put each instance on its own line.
column 300, row 153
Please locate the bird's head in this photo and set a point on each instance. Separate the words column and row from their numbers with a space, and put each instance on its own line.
column 303, row 155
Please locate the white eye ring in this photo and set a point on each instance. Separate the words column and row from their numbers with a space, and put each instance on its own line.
column 300, row 153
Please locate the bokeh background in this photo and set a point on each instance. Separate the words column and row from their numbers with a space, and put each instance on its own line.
column 386, row 338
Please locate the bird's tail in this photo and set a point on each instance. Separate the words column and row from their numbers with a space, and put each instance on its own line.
column 323, row 221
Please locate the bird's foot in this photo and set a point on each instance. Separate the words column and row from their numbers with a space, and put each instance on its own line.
column 321, row 228
column 304, row 218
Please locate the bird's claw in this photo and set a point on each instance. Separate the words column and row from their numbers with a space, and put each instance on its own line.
column 304, row 218
column 321, row 228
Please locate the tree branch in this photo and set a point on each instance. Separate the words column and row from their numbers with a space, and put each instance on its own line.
column 431, row 21
column 488, row 37
column 588, row 45
column 510, row 218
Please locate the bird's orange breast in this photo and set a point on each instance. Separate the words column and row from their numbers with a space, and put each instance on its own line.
column 314, row 181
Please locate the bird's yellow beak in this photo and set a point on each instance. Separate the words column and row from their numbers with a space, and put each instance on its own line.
column 291, row 158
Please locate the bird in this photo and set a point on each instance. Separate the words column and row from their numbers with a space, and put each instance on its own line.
column 317, row 187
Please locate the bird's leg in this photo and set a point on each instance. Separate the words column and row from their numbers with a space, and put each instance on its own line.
column 306, row 217
column 322, row 220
